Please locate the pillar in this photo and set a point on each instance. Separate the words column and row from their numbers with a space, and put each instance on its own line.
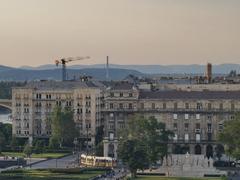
column 105, row 148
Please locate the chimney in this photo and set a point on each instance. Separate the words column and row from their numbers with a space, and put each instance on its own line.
column 209, row 73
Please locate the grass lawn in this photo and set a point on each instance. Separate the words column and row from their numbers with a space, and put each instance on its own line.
column 49, row 175
column 174, row 178
column 43, row 155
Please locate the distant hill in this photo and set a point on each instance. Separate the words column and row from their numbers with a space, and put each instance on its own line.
column 5, row 68
column 98, row 71
column 154, row 69
column 55, row 74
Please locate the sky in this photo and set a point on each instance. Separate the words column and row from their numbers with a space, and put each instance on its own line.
column 36, row 32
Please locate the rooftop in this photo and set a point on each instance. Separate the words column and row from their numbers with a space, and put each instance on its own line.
column 197, row 95
column 62, row 85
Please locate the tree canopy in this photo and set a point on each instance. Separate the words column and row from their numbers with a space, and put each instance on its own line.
column 63, row 127
column 5, row 135
column 230, row 137
column 143, row 142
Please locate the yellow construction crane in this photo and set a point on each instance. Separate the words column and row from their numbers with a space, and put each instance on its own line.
column 64, row 61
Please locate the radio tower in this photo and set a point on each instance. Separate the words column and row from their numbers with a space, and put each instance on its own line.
column 107, row 69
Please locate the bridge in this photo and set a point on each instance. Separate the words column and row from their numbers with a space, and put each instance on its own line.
column 6, row 103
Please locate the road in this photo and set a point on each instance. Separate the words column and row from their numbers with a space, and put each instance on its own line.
column 64, row 162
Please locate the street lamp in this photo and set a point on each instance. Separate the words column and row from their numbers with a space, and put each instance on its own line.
column 75, row 142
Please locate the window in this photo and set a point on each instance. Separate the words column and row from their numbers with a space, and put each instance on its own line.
column 198, row 126
column 58, row 103
column 175, row 105
column 38, row 96
column 186, row 125
column 175, row 138
column 209, row 135
column 198, row 137
column 121, row 94
column 232, row 106
column 221, row 106
column 186, row 116
column 48, row 96
column 142, row 105
column 232, row 117
column 209, row 127
column 175, row 116
column 130, row 106
column 175, row 126
column 198, row 116
column 220, row 127
column 199, row 106
column 130, row 95
column 153, row 105
column 186, row 105
column 164, row 105
column 120, row 105
column 111, row 105
column 186, row 137
column 111, row 136
column 111, row 94
column 209, row 117
column 209, row 106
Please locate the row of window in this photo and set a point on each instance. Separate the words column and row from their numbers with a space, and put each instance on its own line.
column 198, row 127
column 121, row 106
column 164, row 106
column 197, row 116
column 24, row 132
column 121, row 94
column 198, row 106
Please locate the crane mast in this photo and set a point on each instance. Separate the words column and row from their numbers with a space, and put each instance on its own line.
column 64, row 61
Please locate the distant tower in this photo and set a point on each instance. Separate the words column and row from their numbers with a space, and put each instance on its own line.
column 209, row 73
column 107, row 69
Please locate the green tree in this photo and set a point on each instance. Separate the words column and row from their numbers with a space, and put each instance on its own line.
column 54, row 142
column 133, row 153
column 39, row 147
column 5, row 135
column 230, row 137
column 99, row 149
column 14, row 143
column 99, row 134
column 2, row 141
column 99, row 141
column 219, row 150
column 27, row 150
column 142, row 142
column 63, row 127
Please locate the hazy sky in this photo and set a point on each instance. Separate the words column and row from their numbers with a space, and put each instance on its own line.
column 35, row 32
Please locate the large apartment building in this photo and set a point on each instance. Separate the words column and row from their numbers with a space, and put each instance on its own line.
column 33, row 104
column 195, row 117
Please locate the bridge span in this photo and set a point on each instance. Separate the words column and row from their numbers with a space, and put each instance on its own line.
column 6, row 103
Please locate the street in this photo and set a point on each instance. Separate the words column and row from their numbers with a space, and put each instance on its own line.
column 64, row 162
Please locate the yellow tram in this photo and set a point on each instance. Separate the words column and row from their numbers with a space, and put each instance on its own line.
column 95, row 161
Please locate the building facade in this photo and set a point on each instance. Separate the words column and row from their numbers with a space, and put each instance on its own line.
column 33, row 104
column 195, row 117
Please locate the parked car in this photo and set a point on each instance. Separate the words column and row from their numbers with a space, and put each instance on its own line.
column 224, row 164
